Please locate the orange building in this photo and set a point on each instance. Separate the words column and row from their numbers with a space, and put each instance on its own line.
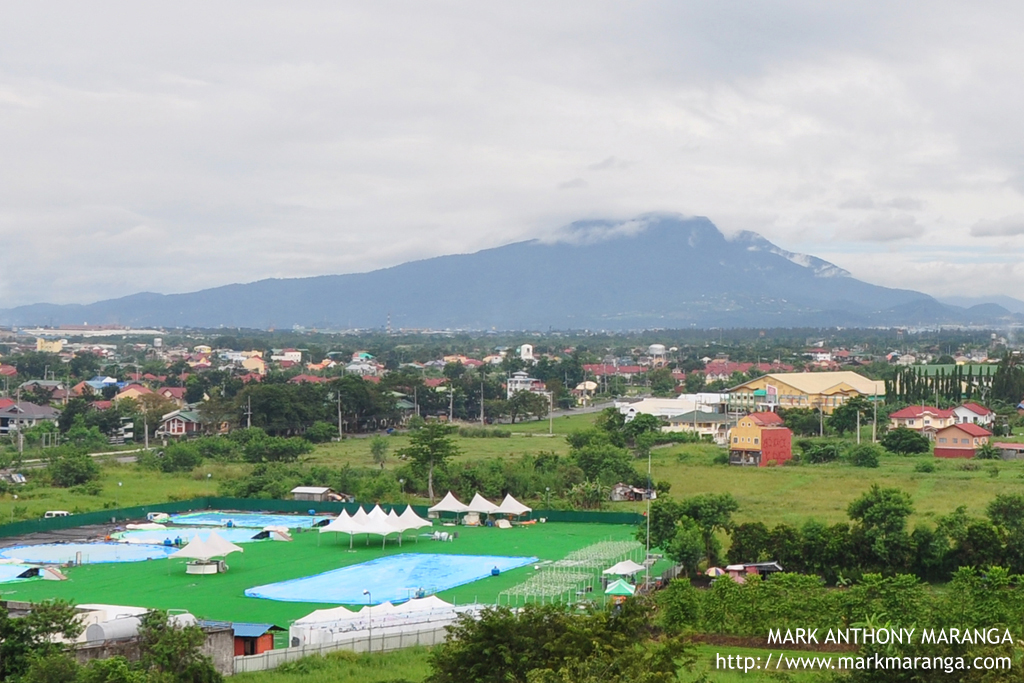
column 759, row 439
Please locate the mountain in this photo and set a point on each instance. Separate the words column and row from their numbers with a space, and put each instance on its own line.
column 658, row 270
column 1006, row 302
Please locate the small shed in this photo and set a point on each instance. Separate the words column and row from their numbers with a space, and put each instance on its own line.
column 313, row 494
column 253, row 639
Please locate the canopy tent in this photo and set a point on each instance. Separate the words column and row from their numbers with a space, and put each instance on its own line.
column 344, row 524
column 377, row 513
column 715, row 571
column 619, row 587
column 423, row 604
column 213, row 546
column 379, row 527
column 481, row 505
column 322, row 615
column 511, row 506
column 360, row 515
column 413, row 521
column 449, row 504
column 624, row 568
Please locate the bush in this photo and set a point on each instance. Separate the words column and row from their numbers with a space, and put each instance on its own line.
column 721, row 459
column 181, row 457
column 482, row 433
column 90, row 488
column 276, row 449
column 864, row 455
column 903, row 441
column 987, row 452
column 72, row 468
column 321, row 432
column 817, row 452
column 924, row 467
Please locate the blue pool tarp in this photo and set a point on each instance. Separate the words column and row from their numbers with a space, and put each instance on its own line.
column 11, row 572
column 92, row 553
column 249, row 520
column 157, row 537
column 395, row 577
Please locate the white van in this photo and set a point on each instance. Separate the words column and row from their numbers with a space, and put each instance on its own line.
column 50, row 514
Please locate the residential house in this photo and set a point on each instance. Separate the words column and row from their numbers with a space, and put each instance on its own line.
column 815, row 390
column 924, row 419
column 174, row 394
column 47, row 346
column 712, row 425
column 625, row 492
column 24, row 415
column 180, row 423
column 255, row 364
column 960, row 440
column 307, row 379
column 291, row 355
column 1010, row 451
column 759, row 439
column 520, row 381
column 974, row 414
column 135, row 391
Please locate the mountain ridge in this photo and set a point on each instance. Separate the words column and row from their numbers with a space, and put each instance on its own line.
column 656, row 270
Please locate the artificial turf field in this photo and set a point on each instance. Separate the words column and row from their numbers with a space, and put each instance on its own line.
column 163, row 584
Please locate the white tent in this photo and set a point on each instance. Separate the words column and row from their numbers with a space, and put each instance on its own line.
column 410, row 520
column 511, row 506
column 423, row 604
column 379, row 527
column 344, row 524
column 214, row 546
column 322, row 615
column 360, row 515
column 220, row 547
column 481, row 505
column 377, row 513
column 624, row 568
column 449, row 504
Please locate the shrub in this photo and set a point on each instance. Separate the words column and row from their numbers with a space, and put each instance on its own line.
column 321, row 432
column 721, row 459
column 181, row 457
column 903, row 441
column 817, row 452
column 864, row 455
column 89, row 488
column 482, row 433
column 924, row 467
column 72, row 468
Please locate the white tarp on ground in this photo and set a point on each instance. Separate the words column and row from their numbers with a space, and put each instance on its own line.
column 481, row 505
column 145, row 526
column 511, row 506
column 624, row 568
column 449, row 504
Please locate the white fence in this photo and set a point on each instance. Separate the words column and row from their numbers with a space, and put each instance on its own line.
column 359, row 641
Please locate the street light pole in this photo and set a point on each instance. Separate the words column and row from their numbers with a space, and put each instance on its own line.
column 369, row 620
column 647, row 557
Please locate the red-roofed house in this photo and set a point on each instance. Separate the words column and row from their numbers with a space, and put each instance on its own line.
column 759, row 439
column 372, row 379
column 251, row 377
column 8, row 371
column 102, row 405
column 176, row 394
column 974, row 414
column 435, row 382
column 924, row 419
column 5, row 402
column 133, row 391
column 960, row 440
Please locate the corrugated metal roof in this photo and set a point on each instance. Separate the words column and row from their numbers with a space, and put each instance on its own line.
column 247, row 630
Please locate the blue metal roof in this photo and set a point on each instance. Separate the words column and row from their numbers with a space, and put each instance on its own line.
column 247, row 630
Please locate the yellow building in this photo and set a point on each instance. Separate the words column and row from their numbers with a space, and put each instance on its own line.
column 825, row 390
column 55, row 346
column 255, row 364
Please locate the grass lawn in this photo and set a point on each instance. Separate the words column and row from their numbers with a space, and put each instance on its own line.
column 164, row 584
column 794, row 494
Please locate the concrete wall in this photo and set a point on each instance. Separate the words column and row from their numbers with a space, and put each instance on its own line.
column 219, row 647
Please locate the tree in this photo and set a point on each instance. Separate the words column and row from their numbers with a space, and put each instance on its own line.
column 713, row 513
column 844, row 418
column 174, row 652
column 71, row 468
column 903, row 441
column 662, row 382
column 802, row 421
column 605, row 463
column 687, row 547
column 749, row 543
column 34, row 635
column 864, row 455
column 695, row 381
column 882, row 516
column 429, row 448
column 524, row 403
column 321, row 432
column 379, row 450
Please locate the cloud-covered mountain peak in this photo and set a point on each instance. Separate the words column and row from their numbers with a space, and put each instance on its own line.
column 820, row 267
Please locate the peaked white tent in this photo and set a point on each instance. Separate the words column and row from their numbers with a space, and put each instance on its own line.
column 410, row 520
column 360, row 515
column 423, row 604
column 204, row 551
column 481, row 505
column 449, row 504
column 380, row 526
column 624, row 568
column 221, row 547
column 343, row 524
column 511, row 506
column 322, row 615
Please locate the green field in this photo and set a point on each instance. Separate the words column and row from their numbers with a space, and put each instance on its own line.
column 163, row 583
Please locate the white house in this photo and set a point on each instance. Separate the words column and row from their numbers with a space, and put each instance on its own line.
column 973, row 413
column 292, row 355
column 520, row 381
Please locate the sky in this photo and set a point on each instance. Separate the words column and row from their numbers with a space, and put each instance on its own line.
column 168, row 148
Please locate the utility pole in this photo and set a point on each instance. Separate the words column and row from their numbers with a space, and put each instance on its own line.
column 248, row 412
column 341, row 433
column 145, row 429
column 551, row 405
column 451, row 402
column 858, row 426
column 821, row 419
column 874, row 420
column 481, row 399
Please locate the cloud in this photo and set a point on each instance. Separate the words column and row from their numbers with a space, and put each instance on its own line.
column 884, row 229
column 1008, row 226
column 314, row 138
column 608, row 164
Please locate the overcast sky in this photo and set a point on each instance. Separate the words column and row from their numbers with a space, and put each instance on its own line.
column 175, row 146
